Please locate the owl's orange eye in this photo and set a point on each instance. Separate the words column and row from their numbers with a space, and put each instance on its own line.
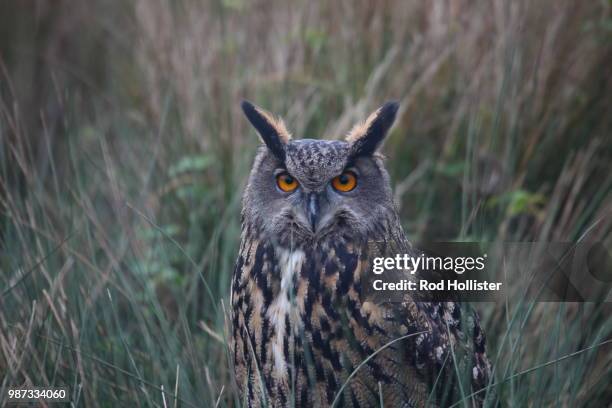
column 286, row 182
column 345, row 182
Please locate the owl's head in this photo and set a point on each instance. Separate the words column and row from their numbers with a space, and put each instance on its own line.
column 300, row 191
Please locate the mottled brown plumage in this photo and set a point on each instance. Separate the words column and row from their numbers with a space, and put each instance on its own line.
column 301, row 327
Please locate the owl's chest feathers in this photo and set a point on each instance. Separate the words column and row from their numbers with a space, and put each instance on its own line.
column 302, row 291
column 284, row 307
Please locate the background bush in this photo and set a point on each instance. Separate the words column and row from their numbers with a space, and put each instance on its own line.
column 123, row 153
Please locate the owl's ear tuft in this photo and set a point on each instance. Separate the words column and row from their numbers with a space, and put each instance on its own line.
column 367, row 137
column 272, row 130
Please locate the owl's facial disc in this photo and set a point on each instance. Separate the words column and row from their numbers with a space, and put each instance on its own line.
column 306, row 190
column 345, row 201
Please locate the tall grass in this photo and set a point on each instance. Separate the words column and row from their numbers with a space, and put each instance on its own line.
column 123, row 154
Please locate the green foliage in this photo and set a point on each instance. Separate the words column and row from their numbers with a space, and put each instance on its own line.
column 518, row 202
column 191, row 164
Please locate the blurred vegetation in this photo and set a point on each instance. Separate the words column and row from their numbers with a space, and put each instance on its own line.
column 123, row 153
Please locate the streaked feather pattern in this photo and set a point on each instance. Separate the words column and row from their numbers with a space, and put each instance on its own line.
column 300, row 329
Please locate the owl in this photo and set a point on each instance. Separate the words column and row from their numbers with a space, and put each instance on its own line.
column 301, row 332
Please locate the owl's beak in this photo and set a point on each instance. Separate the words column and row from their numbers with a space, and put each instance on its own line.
column 313, row 209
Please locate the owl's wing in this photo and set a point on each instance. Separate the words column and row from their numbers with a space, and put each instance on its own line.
column 448, row 345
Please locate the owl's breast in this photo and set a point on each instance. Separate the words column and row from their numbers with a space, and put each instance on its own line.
column 283, row 312
column 314, row 286
column 299, row 321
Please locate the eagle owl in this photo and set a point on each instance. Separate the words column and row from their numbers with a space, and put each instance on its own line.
column 301, row 332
